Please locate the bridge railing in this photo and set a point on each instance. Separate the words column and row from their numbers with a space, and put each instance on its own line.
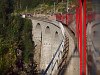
column 63, row 61
column 54, row 61
column 59, row 58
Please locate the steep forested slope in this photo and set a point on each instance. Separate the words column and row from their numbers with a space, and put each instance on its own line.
column 16, row 45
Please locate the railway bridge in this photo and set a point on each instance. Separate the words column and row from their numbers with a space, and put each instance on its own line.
column 55, row 48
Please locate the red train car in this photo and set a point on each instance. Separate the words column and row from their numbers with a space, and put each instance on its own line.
column 65, row 18
column 90, row 16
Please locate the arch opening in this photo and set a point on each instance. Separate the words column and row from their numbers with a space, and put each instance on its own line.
column 56, row 38
column 38, row 32
column 47, row 30
column 38, row 26
column 56, row 35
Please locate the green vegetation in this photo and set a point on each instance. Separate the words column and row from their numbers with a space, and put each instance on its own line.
column 18, row 36
column 15, row 34
column 37, row 5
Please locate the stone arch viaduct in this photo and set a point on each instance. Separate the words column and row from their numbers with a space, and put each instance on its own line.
column 55, row 45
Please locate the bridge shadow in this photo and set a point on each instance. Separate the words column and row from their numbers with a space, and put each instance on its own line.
column 63, row 70
column 65, row 66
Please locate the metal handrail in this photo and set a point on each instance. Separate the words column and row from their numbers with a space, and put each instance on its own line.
column 45, row 72
column 64, row 55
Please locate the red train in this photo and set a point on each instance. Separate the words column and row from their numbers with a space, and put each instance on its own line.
column 68, row 18
column 65, row 18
